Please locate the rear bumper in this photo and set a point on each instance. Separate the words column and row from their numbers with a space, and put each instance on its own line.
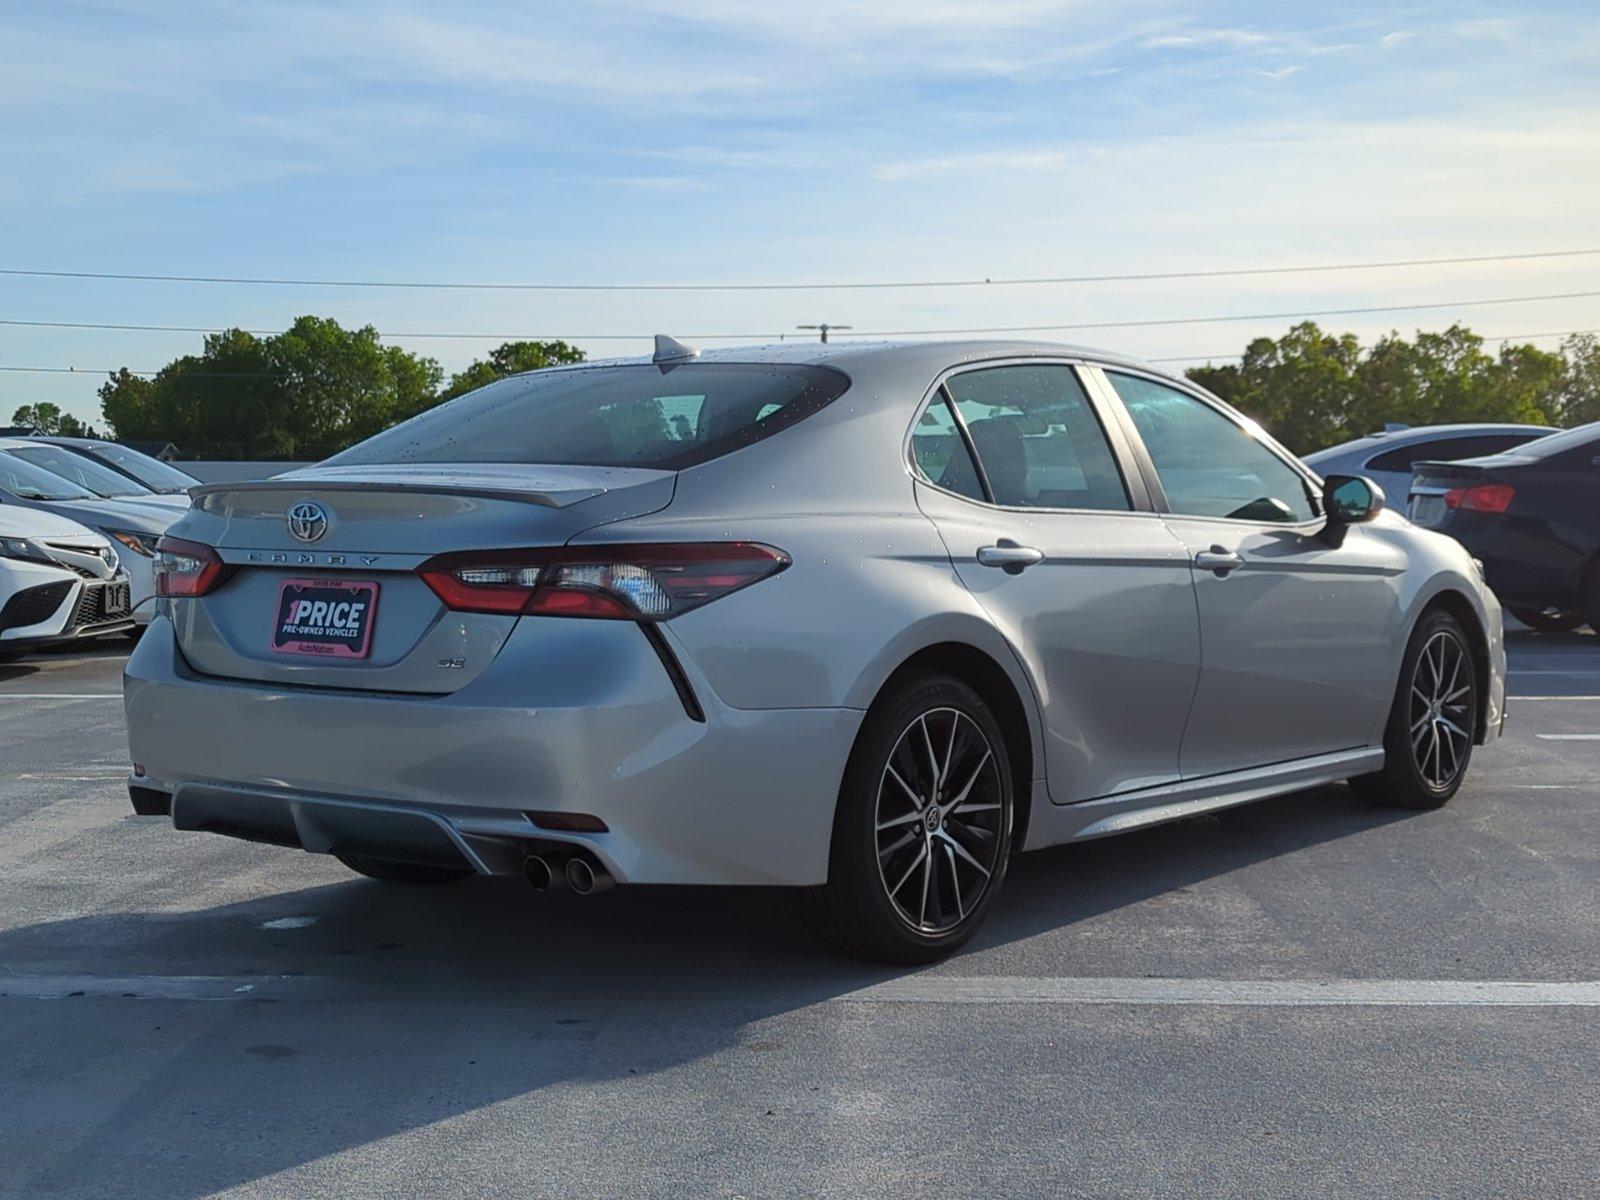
column 745, row 797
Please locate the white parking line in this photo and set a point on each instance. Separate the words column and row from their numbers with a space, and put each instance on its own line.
column 1569, row 737
column 1521, row 699
column 60, row 695
column 999, row 989
column 911, row 989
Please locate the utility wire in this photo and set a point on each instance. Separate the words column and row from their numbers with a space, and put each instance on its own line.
column 1488, row 337
column 599, row 337
column 1220, row 273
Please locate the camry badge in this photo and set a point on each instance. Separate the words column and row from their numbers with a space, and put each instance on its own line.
column 307, row 521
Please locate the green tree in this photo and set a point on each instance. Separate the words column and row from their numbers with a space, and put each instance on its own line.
column 305, row 393
column 511, row 358
column 1313, row 389
column 48, row 418
column 1580, row 389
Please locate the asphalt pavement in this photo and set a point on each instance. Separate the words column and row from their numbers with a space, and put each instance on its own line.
column 1303, row 997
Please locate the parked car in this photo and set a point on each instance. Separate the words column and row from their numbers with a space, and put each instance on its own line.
column 133, row 524
column 58, row 582
column 160, row 477
column 1386, row 456
column 88, row 473
column 861, row 620
column 1532, row 517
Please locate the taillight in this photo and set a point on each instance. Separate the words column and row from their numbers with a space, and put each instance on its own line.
column 186, row 568
column 643, row 581
column 1485, row 497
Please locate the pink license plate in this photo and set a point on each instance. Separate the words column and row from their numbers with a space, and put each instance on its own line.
column 316, row 616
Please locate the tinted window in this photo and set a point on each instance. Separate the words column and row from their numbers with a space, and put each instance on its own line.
column 151, row 472
column 1038, row 438
column 941, row 452
column 35, row 483
column 642, row 416
column 1581, row 437
column 1447, row 450
column 1209, row 465
column 85, row 472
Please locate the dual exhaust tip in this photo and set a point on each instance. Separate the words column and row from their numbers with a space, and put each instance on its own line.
column 584, row 877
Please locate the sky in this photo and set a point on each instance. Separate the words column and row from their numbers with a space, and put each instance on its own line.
column 724, row 141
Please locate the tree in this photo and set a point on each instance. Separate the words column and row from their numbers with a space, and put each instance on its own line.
column 1313, row 389
column 305, row 393
column 511, row 358
column 48, row 418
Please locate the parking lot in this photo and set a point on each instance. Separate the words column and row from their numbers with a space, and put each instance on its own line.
column 184, row 1015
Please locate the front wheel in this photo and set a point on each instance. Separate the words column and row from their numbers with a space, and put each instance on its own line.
column 922, row 835
column 1428, row 741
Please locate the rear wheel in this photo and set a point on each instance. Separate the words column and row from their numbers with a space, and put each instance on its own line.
column 922, row 835
column 1546, row 620
column 1428, row 741
column 416, row 874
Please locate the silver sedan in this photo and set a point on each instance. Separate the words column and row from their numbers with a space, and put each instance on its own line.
column 861, row 620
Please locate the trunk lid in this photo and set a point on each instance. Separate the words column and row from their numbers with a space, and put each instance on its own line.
column 373, row 525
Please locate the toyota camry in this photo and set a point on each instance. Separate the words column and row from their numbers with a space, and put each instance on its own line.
column 860, row 620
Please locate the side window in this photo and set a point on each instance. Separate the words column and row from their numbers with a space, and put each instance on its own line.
column 941, row 453
column 1209, row 465
column 1038, row 438
column 1446, row 450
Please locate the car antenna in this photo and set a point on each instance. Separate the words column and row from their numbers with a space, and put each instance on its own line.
column 670, row 349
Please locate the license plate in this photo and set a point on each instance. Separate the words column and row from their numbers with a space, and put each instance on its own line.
column 316, row 616
column 116, row 601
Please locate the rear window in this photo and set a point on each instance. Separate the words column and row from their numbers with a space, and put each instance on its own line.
column 1448, row 450
column 1581, row 437
column 637, row 416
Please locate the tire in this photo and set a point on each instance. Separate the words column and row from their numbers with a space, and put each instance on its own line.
column 1591, row 596
column 1546, row 621
column 414, row 874
column 1428, row 740
column 932, row 733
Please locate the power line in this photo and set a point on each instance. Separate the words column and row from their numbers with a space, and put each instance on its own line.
column 1132, row 277
column 713, row 337
column 1488, row 337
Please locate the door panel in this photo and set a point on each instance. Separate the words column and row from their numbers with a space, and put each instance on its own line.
column 1297, row 636
column 1105, row 624
column 1298, row 644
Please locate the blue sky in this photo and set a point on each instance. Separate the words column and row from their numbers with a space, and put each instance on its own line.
column 716, row 140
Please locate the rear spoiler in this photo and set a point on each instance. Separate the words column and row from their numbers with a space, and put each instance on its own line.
column 1447, row 470
column 351, row 485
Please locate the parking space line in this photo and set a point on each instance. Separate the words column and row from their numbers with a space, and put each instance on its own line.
column 1521, row 699
column 911, row 989
column 1569, row 737
column 1275, row 993
column 60, row 695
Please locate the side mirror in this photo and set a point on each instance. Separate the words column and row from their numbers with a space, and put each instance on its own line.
column 1348, row 500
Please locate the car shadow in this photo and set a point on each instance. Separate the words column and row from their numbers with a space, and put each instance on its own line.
column 417, row 1007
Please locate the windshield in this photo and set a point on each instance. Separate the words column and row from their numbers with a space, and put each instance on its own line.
column 152, row 472
column 85, row 472
column 1559, row 443
column 35, row 483
column 643, row 416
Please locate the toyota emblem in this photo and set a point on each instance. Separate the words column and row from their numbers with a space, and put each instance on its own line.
column 307, row 520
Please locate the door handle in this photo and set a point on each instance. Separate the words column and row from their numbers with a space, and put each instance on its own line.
column 1009, row 557
column 1218, row 561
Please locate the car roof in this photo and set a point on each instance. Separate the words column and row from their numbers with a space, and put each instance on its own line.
column 913, row 356
column 1425, row 433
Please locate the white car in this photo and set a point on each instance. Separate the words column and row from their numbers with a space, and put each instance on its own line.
column 37, row 475
column 58, row 582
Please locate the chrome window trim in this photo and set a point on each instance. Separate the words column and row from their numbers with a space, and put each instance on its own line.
column 1075, row 363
